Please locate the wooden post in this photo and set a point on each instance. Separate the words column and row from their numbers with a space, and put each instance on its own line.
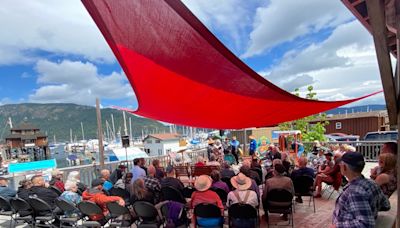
column 100, row 133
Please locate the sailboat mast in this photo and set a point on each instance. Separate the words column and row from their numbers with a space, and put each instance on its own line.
column 113, row 126
column 108, row 132
column 10, row 122
column 83, row 133
column 130, row 128
column 70, row 135
column 125, row 128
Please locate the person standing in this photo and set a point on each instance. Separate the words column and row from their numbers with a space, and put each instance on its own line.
column 252, row 146
column 361, row 199
column 137, row 171
column 235, row 148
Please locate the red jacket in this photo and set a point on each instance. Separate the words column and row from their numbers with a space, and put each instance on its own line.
column 98, row 197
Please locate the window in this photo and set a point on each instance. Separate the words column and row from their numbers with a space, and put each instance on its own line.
column 147, row 151
column 158, row 141
column 168, row 150
column 159, row 152
column 338, row 125
column 149, row 141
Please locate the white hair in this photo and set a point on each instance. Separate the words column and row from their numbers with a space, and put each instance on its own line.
column 73, row 176
column 69, row 185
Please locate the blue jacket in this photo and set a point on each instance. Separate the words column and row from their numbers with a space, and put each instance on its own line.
column 235, row 143
column 253, row 145
column 7, row 192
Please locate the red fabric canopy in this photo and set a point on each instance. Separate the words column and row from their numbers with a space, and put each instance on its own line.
column 181, row 73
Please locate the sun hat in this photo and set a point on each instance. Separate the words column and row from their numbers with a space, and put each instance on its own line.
column 203, row 183
column 210, row 141
column 241, row 182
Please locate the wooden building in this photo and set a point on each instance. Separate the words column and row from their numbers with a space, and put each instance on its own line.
column 358, row 123
column 26, row 135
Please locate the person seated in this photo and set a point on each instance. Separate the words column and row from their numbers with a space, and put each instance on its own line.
column 389, row 147
column 5, row 190
column 242, row 192
column 203, row 194
column 278, row 181
column 200, row 162
column 328, row 175
column 273, row 153
column 139, row 192
column 249, row 173
column 387, row 173
column 286, row 162
column 159, row 172
column 56, row 180
column 171, row 180
column 227, row 171
column 152, row 183
column 270, row 171
column 255, row 163
column 75, row 177
column 328, row 162
column 117, row 174
column 213, row 161
column 105, row 175
column 303, row 170
column 40, row 190
column 216, row 181
column 70, row 194
column 24, row 189
column 137, row 171
column 96, row 195
column 124, row 181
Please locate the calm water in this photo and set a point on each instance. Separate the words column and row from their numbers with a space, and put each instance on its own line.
column 61, row 157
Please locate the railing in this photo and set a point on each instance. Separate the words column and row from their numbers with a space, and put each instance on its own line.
column 369, row 149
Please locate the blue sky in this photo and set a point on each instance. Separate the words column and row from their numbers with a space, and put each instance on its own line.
column 55, row 53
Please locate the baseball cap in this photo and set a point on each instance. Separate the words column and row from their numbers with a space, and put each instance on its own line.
column 97, row 182
column 354, row 159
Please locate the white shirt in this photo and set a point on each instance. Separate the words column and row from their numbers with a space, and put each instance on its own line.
column 252, row 199
column 213, row 163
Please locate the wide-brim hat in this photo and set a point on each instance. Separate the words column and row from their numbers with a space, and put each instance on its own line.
column 241, row 182
column 203, row 183
column 210, row 141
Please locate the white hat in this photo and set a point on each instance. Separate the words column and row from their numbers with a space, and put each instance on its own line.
column 203, row 183
column 241, row 182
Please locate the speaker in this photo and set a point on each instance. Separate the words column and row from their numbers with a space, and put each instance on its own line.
column 125, row 140
column 221, row 133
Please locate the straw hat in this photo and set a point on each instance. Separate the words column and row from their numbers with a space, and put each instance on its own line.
column 210, row 141
column 203, row 183
column 241, row 182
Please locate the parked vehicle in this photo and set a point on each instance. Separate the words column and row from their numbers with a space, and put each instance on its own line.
column 381, row 136
column 342, row 138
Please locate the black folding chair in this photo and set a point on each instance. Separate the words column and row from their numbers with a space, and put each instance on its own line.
column 23, row 211
column 71, row 214
column 243, row 215
column 43, row 213
column 90, row 209
column 279, row 201
column 56, row 190
column 5, row 209
column 205, row 210
column 117, row 213
column 147, row 214
column 221, row 193
column 188, row 191
column 171, row 193
column 227, row 180
column 303, row 186
column 182, row 221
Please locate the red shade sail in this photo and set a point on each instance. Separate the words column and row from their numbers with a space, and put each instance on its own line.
column 181, row 73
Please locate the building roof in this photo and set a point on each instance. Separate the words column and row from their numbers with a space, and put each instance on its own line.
column 355, row 115
column 166, row 136
column 24, row 137
column 24, row 126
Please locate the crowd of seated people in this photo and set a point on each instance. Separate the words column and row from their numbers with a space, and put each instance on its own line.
column 145, row 183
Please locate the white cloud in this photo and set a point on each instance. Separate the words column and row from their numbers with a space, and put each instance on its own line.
column 77, row 82
column 284, row 20
column 231, row 18
column 63, row 27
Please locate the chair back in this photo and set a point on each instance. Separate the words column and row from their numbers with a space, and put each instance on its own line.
column 4, row 204
column 181, row 171
column 19, row 205
column 145, row 210
column 221, row 193
column 303, row 185
column 89, row 208
column 56, row 190
column 205, row 210
column 242, row 211
column 123, row 193
column 171, row 193
column 278, row 199
column 65, row 206
column 188, row 191
column 116, row 210
column 227, row 181
column 203, row 170
column 40, row 206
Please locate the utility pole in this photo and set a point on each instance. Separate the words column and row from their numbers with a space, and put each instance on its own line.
column 100, row 133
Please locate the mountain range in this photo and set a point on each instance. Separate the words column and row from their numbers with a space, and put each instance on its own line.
column 57, row 120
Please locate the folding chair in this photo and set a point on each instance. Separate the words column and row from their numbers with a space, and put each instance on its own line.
column 303, row 186
column 147, row 213
column 208, row 211
column 116, row 215
column 171, row 193
column 23, row 211
column 43, row 213
column 243, row 215
column 71, row 214
column 279, row 201
column 5, row 209
column 90, row 209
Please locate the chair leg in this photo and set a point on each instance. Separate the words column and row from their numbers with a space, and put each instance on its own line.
column 330, row 194
column 313, row 202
